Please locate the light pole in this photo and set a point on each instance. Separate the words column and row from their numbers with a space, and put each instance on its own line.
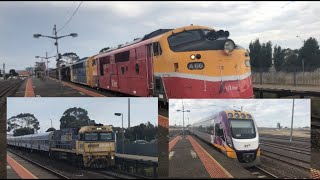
column 292, row 120
column 55, row 37
column 121, row 114
column 183, row 111
column 47, row 61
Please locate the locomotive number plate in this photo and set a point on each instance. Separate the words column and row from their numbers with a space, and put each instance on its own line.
column 195, row 65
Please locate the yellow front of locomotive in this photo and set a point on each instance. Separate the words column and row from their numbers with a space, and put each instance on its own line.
column 97, row 146
column 200, row 62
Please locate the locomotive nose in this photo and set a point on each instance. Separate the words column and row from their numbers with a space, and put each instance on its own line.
column 248, row 157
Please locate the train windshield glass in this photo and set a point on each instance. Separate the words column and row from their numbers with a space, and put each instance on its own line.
column 105, row 136
column 91, row 136
column 242, row 129
column 185, row 37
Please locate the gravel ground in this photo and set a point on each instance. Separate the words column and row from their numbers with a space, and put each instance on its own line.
column 283, row 170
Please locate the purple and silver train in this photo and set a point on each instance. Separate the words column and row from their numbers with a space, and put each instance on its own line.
column 234, row 133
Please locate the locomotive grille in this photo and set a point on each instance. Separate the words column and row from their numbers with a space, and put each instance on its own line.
column 246, row 156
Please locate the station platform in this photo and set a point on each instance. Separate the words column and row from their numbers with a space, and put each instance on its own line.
column 36, row 87
column 137, row 157
column 18, row 168
column 191, row 158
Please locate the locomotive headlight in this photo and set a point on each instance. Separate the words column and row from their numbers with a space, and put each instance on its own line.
column 229, row 46
column 247, row 63
column 193, row 56
column 236, row 115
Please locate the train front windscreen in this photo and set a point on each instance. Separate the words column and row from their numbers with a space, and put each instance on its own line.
column 103, row 136
column 242, row 129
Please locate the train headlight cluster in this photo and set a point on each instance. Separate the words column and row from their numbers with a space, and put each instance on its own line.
column 193, row 57
column 243, row 116
column 229, row 46
column 230, row 115
column 249, row 116
column 236, row 115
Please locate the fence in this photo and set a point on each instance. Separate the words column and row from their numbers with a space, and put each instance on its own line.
column 293, row 77
column 139, row 149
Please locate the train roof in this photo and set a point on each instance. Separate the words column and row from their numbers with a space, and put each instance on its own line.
column 232, row 111
column 33, row 135
column 96, row 128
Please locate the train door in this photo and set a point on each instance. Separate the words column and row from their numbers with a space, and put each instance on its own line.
column 114, row 76
column 158, row 84
column 149, row 69
column 219, row 135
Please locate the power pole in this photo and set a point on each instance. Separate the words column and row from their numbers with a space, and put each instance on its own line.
column 128, row 113
column 58, row 58
column 292, row 120
column 182, row 119
column 4, row 71
column 47, row 63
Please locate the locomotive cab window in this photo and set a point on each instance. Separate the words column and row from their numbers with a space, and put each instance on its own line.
column 184, row 37
column 157, row 51
column 106, row 136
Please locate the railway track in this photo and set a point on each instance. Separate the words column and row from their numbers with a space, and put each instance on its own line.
column 261, row 173
column 7, row 86
column 290, row 160
column 288, row 148
column 298, row 139
column 120, row 174
column 40, row 165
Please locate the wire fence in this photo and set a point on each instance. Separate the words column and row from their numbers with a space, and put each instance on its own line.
column 293, row 77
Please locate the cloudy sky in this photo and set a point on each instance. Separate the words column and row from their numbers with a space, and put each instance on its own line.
column 108, row 24
column 99, row 109
column 267, row 112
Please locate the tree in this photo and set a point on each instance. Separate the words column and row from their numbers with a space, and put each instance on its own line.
column 51, row 129
column 254, row 48
column 278, row 57
column 266, row 56
column 260, row 55
column 13, row 72
column 104, row 49
column 23, row 131
column 310, row 54
column 75, row 118
column 23, row 121
column 70, row 57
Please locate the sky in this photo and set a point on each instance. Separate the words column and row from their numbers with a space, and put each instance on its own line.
column 108, row 24
column 99, row 109
column 266, row 112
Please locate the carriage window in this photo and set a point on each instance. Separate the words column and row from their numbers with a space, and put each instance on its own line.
column 123, row 56
column 156, row 49
column 137, row 68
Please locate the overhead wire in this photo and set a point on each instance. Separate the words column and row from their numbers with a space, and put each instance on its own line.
column 70, row 17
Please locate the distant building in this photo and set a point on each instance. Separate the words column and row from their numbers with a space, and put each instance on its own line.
column 278, row 126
